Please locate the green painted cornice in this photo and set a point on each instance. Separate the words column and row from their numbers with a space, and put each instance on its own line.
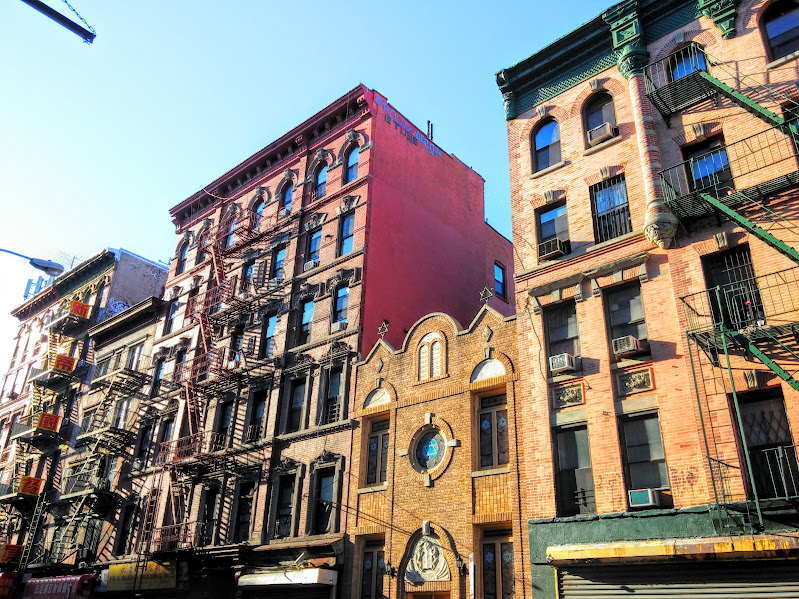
column 723, row 13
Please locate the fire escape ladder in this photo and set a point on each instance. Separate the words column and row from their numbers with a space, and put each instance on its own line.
column 750, row 105
column 751, row 349
column 194, row 405
column 148, row 520
column 777, row 244
column 33, row 530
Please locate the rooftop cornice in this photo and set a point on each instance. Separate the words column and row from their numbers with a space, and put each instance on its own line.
column 145, row 309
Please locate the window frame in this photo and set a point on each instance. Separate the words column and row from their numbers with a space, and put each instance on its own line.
column 767, row 18
column 596, row 104
column 500, row 284
column 236, row 522
column 285, row 472
column 380, row 431
column 494, row 422
column 182, row 258
column 343, row 238
column 698, row 153
column 286, row 196
column 618, row 214
column 289, row 407
column 320, row 187
column 305, row 317
column 612, row 329
column 498, row 541
column 277, row 268
column 256, row 425
column 350, row 168
column 332, row 465
column 340, row 311
column 548, row 313
column 574, row 506
column 313, row 245
column 374, row 552
column 267, row 348
column 436, row 341
column 340, row 402
column 623, row 435
column 549, row 148
column 171, row 317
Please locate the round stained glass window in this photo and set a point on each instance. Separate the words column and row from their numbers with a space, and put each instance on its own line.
column 430, row 450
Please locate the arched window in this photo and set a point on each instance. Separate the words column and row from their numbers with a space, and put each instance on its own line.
column 285, row 197
column 431, row 359
column 352, row 165
column 321, row 182
column 230, row 234
column 546, row 145
column 183, row 254
column 687, row 60
column 780, row 28
column 600, row 118
column 202, row 240
column 257, row 213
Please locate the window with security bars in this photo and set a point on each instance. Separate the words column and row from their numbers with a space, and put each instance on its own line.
column 610, row 209
column 575, row 479
column 372, row 572
column 492, row 419
column 738, row 303
column 377, row 453
column 497, row 566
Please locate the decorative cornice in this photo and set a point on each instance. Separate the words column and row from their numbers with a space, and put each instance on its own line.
column 723, row 13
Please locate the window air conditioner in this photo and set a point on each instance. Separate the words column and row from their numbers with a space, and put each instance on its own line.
column 625, row 346
column 644, row 498
column 311, row 264
column 284, row 212
column 553, row 248
column 562, row 363
column 338, row 326
column 602, row 133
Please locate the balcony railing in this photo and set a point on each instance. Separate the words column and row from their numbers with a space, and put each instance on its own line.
column 761, row 163
column 85, row 483
column 776, row 472
column 63, row 368
column 767, row 301
column 192, row 446
column 42, row 423
column 674, row 83
column 72, row 319
column 30, row 486
column 174, row 536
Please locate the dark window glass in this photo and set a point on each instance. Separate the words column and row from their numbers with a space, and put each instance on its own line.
column 499, row 280
column 321, row 181
column 231, row 234
column 546, row 143
column 285, row 198
column 304, row 335
column 553, row 223
column 352, row 165
column 201, row 253
column 145, row 443
column 575, row 482
column 643, row 453
column 599, row 110
column 296, row 407
column 244, row 512
column 169, row 325
column 183, row 255
column 257, row 416
column 610, row 208
column 278, row 256
column 323, row 510
column 125, row 530
column 781, row 23
column 257, row 215
column 208, row 518
column 562, row 332
column 372, row 573
column 492, row 418
column 314, row 242
column 285, row 506
column 270, row 326
column 335, row 396
column 497, row 566
column 377, row 453
column 247, row 272
column 626, row 312
column 710, row 168
column 342, row 301
column 224, row 426
column 347, row 234
column 158, row 375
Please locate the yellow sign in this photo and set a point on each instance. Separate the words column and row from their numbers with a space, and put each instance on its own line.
column 157, row 575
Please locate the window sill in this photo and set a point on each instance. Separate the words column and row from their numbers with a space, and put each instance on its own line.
column 623, row 364
column 372, row 489
column 431, row 379
column 491, row 471
column 610, row 242
column 562, row 378
column 548, row 169
column 609, row 142
column 781, row 61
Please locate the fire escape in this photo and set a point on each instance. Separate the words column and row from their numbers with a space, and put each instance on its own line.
column 747, row 321
column 228, row 358
column 38, row 434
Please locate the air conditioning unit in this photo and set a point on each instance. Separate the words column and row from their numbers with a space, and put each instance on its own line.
column 311, row 264
column 563, row 363
column 644, row 498
column 602, row 133
column 625, row 346
column 553, row 248
column 284, row 212
column 338, row 326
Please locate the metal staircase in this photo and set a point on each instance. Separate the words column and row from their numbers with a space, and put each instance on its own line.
column 33, row 530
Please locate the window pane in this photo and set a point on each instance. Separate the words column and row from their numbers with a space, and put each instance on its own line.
column 507, row 570
column 486, row 441
column 502, row 437
column 324, row 501
column 424, row 362
column 313, row 247
column 295, row 411
column 435, row 350
column 374, row 452
column 347, row 228
column 489, row 571
column 342, row 301
column 553, row 223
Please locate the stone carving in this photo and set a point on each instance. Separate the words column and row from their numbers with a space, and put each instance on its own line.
column 316, row 220
column 487, row 333
column 427, row 562
column 379, row 364
column 567, row 395
column 660, row 226
column 723, row 13
column 632, row 61
column 634, row 382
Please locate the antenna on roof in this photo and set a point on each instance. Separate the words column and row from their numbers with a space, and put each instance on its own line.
column 429, row 130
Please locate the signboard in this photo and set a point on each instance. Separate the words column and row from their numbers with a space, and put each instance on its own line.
column 30, row 485
column 405, row 127
column 65, row 363
column 157, row 575
column 48, row 422
column 7, row 580
column 79, row 309
column 60, row 587
column 10, row 553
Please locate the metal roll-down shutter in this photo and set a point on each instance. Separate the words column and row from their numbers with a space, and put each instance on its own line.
column 707, row 580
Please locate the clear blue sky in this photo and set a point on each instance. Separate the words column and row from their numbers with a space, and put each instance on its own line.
column 99, row 141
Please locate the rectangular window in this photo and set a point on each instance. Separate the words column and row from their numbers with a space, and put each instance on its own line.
column 493, row 422
column 334, row 399
column 125, row 530
column 553, row 232
column 169, row 325
column 626, row 312
column 241, row 532
column 342, row 301
column 709, row 167
column 255, row 430
column 285, row 506
column 561, row 329
column 247, row 272
column 304, row 334
column 158, row 375
column 610, row 209
column 372, row 572
column 134, row 356
column 278, row 257
column 224, row 426
column 377, row 455
column 644, row 459
column 575, row 479
column 296, row 407
column 268, row 343
column 208, row 520
column 145, row 443
column 323, row 509
column 346, row 234
column 103, row 368
column 314, row 243
column 497, row 566
column 499, row 281
column 86, row 422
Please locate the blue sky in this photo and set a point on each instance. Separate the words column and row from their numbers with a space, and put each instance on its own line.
column 99, row 141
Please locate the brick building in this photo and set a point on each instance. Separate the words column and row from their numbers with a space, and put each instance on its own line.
column 44, row 530
column 284, row 269
column 435, row 492
column 654, row 191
